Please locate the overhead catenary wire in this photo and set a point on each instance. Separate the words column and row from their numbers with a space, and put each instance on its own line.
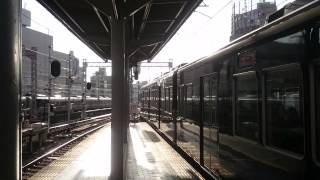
column 212, row 16
column 32, row 20
column 45, row 54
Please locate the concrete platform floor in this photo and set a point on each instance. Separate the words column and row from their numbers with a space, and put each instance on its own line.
column 149, row 157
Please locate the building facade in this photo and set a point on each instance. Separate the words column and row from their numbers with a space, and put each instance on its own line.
column 37, row 56
column 100, row 84
column 248, row 15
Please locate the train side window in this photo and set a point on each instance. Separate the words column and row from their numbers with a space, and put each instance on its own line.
column 283, row 109
column 246, row 97
column 170, row 99
column 154, row 98
column 151, row 97
column 183, row 103
column 143, row 99
column 286, row 49
column 162, row 98
column 189, row 102
column 179, row 101
column 166, row 99
column 209, row 100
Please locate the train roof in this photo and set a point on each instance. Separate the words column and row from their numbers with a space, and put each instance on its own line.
column 295, row 18
column 164, row 76
column 299, row 16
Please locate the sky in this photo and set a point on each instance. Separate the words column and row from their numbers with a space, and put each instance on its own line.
column 207, row 30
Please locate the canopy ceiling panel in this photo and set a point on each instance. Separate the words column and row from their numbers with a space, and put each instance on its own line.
column 150, row 23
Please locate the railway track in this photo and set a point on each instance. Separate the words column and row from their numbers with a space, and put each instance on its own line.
column 33, row 166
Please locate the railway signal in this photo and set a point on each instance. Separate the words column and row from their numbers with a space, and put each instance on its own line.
column 88, row 85
column 55, row 68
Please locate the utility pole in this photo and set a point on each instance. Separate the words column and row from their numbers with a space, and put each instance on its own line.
column 84, row 88
column 69, row 85
column 138, row 95
column 34, row 82
column 49, row 89
column 98, row 85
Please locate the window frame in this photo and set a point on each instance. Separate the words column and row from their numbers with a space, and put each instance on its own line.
column 215, row 76
column 189, row 85
column 315, row 91
column 234, row 104
column 284, row 67
column 165, row 99
column 315, row 97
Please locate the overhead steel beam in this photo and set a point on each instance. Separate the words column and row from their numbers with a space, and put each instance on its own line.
column 136, row 12
column 101, row 44
column 98, row 47
column 100, row 19
column 142, row 42
column 131, row 51
column 160, row 20
column 80, row 4
column 147, row 56
column 134, row 6
column 98, row 38
column 144, row 19
column 52, row 7
column 177, row 15
column 181, row 17
column 105, row 6
column 68, row 15
column 170, row 1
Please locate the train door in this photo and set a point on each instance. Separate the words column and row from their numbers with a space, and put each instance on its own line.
column 181, row 102
column 316, row 119
column 315, row 96
column 210, row 125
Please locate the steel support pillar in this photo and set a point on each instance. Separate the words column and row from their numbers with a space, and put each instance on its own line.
column 126, row 109
column 10, row 56
column 159, row 106
column 119, row 102
column 174, row 105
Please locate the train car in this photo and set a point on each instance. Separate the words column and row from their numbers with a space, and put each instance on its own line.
column 250, row 110
column 60, row 107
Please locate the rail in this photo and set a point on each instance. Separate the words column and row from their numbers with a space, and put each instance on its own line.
column 35, row 162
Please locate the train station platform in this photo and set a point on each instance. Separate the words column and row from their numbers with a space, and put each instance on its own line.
column 149, row 157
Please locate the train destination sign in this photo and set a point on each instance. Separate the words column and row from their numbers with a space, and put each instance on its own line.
column 247, row 59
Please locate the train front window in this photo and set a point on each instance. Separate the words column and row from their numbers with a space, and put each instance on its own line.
column 247, row 106
column 283, row 109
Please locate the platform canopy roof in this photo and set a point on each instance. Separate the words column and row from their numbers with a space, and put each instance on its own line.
column 150, row 23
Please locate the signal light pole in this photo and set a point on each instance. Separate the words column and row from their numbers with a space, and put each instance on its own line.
column 49, row 91
column 69, row 82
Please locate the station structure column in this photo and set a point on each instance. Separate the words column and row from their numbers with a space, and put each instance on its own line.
column 120, row 100
column 10, row 57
